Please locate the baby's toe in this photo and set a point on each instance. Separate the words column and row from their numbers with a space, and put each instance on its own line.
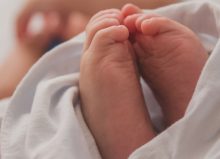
column 152, row 25
column 106, row 19
column 108, row 36
column 129, row 22
column 93, row 29
column 134, row 21
column 105, row 12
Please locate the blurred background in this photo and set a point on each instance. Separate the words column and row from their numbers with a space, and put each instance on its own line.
column 8, row 11
column 29, row 28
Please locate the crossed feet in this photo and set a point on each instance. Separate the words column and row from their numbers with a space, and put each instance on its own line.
column 165, row 53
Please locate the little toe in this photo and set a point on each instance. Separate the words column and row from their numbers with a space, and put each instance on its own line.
column 100, row 21
column 111, row 35
column 93, row 29
column 116, row 16
column 105, row 12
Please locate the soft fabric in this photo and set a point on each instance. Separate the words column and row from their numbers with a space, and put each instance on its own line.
column 43, row 119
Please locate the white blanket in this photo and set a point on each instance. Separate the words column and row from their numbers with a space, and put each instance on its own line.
column 43, row 119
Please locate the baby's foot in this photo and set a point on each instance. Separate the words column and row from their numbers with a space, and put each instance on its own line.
column 171, row 59
column 112, row 101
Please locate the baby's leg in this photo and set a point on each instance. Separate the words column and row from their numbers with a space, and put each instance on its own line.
column 112, row 101
column 171, row 59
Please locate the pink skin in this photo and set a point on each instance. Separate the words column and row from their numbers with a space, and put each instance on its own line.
column 170, row 58
column 112, row 101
